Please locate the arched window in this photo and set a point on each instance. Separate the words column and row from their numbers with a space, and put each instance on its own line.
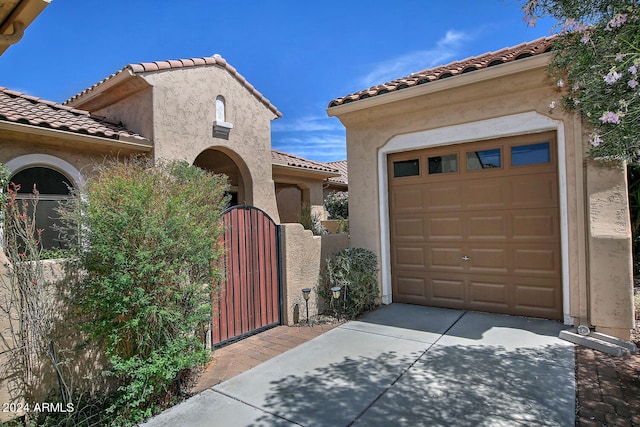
column 221, row 127
column 53, row 187
column 220, row 109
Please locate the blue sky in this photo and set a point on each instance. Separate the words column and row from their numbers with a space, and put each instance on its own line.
column 299, row 54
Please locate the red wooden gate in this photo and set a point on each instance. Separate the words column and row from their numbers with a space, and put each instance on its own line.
column 248, row 299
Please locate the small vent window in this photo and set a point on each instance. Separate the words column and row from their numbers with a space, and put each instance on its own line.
column 406, row 168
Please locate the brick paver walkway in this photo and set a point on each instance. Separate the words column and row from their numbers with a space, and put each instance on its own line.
column 608, row 389
column 243, row 355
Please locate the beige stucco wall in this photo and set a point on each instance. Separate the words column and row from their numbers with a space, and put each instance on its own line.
column 303, row 257
column 83, row 375
column 476, row 106
column 178, row 112
column 311, row 192
column 609, row 244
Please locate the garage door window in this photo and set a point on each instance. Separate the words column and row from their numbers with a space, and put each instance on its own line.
column 484, row 159
column 443, row 164
column 406, row 168
column 530, row 154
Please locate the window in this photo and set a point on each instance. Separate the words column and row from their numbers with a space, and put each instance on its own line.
column 406, row 168
column 484, row 159
column 53, row 187
column 220, row 109
column 221, row 128
column 530, row 154
column 443, row 164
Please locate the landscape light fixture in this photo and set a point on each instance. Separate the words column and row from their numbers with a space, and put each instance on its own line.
column 306, row 293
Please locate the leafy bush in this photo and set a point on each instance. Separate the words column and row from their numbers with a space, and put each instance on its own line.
column 147, row 236
column 337, row 205
column 355, row 271
column 596, row 61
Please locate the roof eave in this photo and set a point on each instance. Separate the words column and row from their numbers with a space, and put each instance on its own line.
column 301, row 171
column 25, row 13
column 123, row 142
column 119, row 86
column 531, row 63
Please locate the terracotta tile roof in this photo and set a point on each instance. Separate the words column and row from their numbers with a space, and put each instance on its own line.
column 149, row 67
column 475, row 63
column 341, row 165
column 20, row 108
column 280, row 157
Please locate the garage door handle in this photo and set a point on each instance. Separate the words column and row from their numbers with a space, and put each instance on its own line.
column 465, row 258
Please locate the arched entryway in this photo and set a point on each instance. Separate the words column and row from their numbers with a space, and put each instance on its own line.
column 230, row 164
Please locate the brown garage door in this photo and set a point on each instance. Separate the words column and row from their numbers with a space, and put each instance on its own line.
column 476, row 226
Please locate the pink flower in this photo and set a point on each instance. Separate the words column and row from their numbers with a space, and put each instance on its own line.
column 595, row 139
column 560, row 83
column 552, row 105
column 619, row 57
column 612, row 77
column 585, row 38
column 633, row 69
column 633, row 83
column 610, row 117
column 617, row 21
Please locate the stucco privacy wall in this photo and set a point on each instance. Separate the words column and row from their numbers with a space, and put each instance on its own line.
column 82, row 376
column 303, row 257
column 505, row 100
column 178, row 111
column 609, row 244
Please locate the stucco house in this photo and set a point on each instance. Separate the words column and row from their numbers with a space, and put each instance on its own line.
column 200, row 110
column 476, row 193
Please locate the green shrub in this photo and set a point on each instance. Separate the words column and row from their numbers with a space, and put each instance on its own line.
column 311, row 221
column 337, row 205
column 147, row 237
column 355, row 271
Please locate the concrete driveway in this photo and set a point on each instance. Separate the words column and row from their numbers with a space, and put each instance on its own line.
column 402, row 365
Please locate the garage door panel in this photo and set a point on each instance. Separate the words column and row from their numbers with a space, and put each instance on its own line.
column 406, row 199
column 410, row 257
column 408, row 228
column 445, row 258
column 488, row 294
column 487, row 226
column 536, row 260
column 535, row 191
column 445, row 196
column 485, row 194
column 536, row 225
column 445, row 227
column 487, row 260
column 449, row 291
column 410, row 286
column 540, row 298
